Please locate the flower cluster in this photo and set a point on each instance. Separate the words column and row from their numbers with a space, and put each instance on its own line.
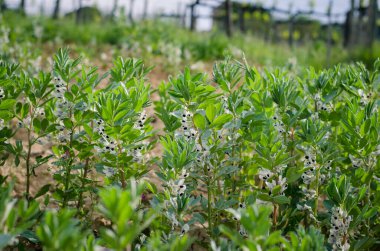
column 2, row 124
column 25, row 123
column 60, row 88
column 277, row 182
column 140, row 122
column 338, row 236
column 364, row 98
column 179, row 187
column 278, row 124
column 265, row 174
column 2, row 94
column 225, row 105
column 186, row 129
column 109, row 171
column 355, row 161
column 40, row 112
column 323, row 106
column 64, row 135
column 109, row 145
column 271, row 180
column 310, row 164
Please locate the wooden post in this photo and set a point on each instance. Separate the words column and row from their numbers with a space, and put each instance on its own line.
column 130, row 15
column 192, row 17
column 3, row 6
column 145, row 13
column 291, row 28
column 371, row 25
column 242, row 19
column 79, row 13
column 228, row 6
column 114, row 8
column 184, row 15
column 22, row 6
column 329, row 35
column 56, row 9
column 291, row 24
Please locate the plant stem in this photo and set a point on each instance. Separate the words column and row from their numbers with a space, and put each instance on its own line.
column 85, row 172
column 28, row 171
column 122, row 178
column 275, row 214
column 316, row 193
column 68, row 170
column 209, row 208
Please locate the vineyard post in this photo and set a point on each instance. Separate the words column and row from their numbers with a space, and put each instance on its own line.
column 145, row 13
column 242, row 19
column 56, row 9
column 329, row 39
column 372, row 10
column 228, row 18
column 192, row 16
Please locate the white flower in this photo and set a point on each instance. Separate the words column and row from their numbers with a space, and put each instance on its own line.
column 174, row 220
column 140, row 121
column 363, row 97
column 2, row 125
column 109, row 171
column 214, row 247
column 340, row 222
column 279, row 127
column 317, row 97
column 185, row 229
column 236, row 213
column 110, row 147
column 265, row 174
column 2, row 94
column 281, row 182
column 184, row 174
column 40, row 112
column 355, row 161
column 190, row 134
column 243, row 232
column 303, row 207
column 242, row 205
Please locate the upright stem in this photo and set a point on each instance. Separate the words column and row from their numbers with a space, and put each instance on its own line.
column 209, row 208
column 121, row 172
column 85, row 172
column 28, row 171
column 68, row 169
column 122, row 178
column 275, row 215
column 316, row 192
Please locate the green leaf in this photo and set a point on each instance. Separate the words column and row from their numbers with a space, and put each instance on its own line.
column 281, row 199
column 293, row 174
column 4, row 240
column 7, row 104
column 333, row 193
column 221, row 120
column 210, row 112
column 43, row 190
column 199, row 121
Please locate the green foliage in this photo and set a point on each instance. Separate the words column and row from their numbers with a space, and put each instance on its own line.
column 251, row 160
column 16, row 217
column 59, row 231
column 120, row 207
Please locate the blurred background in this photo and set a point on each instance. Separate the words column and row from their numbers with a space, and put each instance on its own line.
column 175, row 33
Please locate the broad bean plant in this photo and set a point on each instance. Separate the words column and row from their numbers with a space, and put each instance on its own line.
column 251, row 159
